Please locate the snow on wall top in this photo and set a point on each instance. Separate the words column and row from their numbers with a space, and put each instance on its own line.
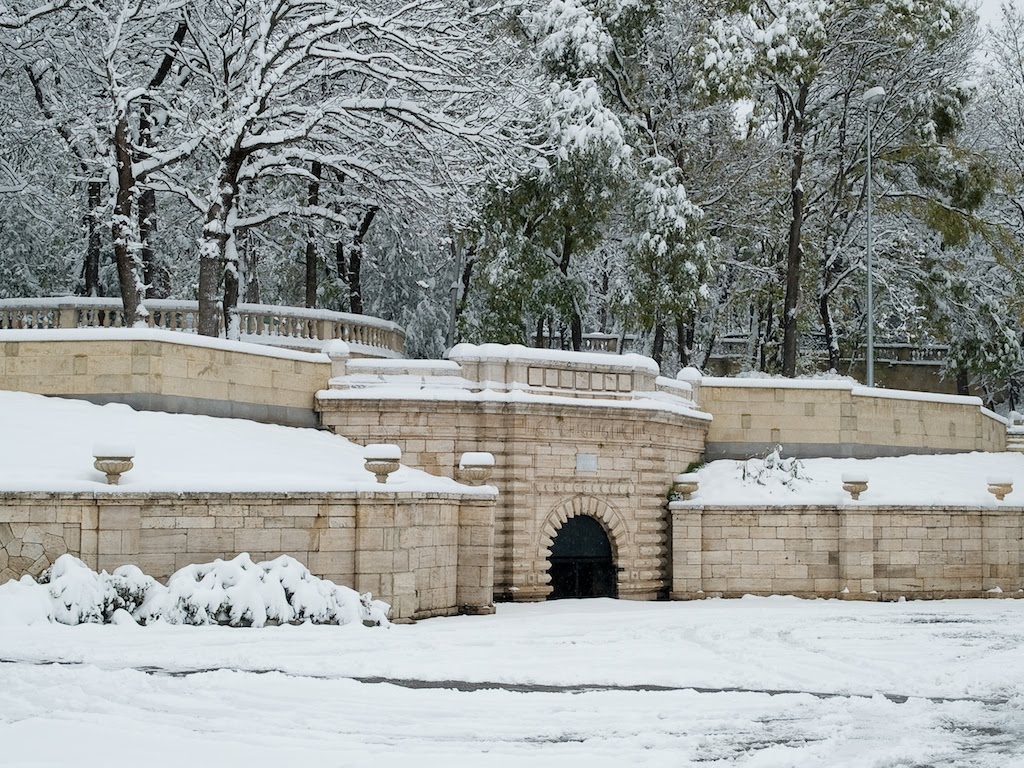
column 498, row 352
column 952, row 479
column 167, row 337
column 49, row 442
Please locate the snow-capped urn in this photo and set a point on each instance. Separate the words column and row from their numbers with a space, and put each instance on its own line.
column 1000, row 486
column 113, row 460
column 475, row 467
column 382, row 459
column 685, row 485
column 855, row 483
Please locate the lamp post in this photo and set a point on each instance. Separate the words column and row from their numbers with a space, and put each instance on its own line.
column 871, row 98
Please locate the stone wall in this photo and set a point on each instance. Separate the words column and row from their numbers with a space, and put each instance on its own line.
column 166, row 371
column 426, row 554
column 855, row 551
column 823, row 418
column 554, row 460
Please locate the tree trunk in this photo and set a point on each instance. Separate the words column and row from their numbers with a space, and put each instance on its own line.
column 211, row 269
column 355, row 262
column 658, row 348
column 312, row 198
column 962, row 383
column 121, row 229
column 91, row 268
column 683, row 341
column 216, row 260
column 827, row 323
column 794, row 250
column 154, row 277
column 538, row 337
column 147, row 226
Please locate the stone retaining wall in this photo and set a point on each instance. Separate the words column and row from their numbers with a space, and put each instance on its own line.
column 553, row 461
column 166, row 371
column 426, row 554
column 855, row 551
column 823, row 418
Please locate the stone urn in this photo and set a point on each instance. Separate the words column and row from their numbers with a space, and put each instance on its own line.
column 685, row 485
column 113, row 461
column 855, row 484
column 1000, row 487
column 382, row 459
column 475, row 467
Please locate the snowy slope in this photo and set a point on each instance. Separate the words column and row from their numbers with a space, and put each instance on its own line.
column 949, row 479
column 47, row 445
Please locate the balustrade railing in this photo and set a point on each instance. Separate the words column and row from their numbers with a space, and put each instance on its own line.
column 292, row 327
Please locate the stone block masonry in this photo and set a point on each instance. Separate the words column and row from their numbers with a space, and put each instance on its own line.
column 852, row 551
column 428, row 554
column 166, row 371
column 568, row 440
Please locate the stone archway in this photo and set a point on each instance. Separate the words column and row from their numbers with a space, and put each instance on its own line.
column 581, row 543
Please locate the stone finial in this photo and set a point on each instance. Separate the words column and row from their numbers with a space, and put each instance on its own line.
column 339, row 353
column 382, row 459
column 686, row 485
column 1000, row 486
column 855, row 483
column 113, row 460
column 475, row 467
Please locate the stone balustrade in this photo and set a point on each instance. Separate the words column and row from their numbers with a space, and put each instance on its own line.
column 290, row 327
column 502, row 368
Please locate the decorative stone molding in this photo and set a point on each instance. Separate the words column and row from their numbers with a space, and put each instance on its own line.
column 113, row 461
column 686, row 485
column 1000, row 487
column 475, row 467
column 855, row 484
column 382, row 459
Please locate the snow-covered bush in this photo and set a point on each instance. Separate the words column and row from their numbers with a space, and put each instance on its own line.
column 240, row 592
column 772, row 469
column 236, row 592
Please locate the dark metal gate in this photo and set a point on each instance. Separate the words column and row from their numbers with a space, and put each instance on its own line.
column 581, row 560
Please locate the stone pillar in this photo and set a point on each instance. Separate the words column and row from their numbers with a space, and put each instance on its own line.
column 1001, row 550
column 857, row 553
column 687, row 550
column 475, row 576
column 339, row 353
column 118, row 533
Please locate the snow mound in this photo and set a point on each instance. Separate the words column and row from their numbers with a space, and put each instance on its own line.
column 237, row 592
column 242, row 593
column 774, row 472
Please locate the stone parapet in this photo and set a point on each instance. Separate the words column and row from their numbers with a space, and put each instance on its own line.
column 852, row 551
column 427, row 554
column 839, row 418
column 164, row 371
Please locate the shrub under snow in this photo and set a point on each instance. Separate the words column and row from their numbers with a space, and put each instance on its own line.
column 236, row 592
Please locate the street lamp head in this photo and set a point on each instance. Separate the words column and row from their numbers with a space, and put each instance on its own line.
column 873, row 96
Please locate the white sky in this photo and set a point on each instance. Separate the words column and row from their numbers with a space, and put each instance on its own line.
column 988, row 10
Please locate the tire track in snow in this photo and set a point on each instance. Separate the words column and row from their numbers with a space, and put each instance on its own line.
column 465, row 686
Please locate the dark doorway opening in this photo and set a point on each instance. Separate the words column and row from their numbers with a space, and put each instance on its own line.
column 581, row 561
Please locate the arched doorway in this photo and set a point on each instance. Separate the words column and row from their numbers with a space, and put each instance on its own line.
column 582, row 564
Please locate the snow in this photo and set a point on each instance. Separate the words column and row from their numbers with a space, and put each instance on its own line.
column 757, row 683
column 238, row 592
column 958, row 479
column 374, row 390
column 114, row 450
column 388, row 451
column 167, row 337
column 52, row 450
column 476, row 459
column 505, row 352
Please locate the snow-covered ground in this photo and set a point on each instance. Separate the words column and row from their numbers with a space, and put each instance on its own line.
column 53, row 439
column 761, row 682
column 946, row 479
